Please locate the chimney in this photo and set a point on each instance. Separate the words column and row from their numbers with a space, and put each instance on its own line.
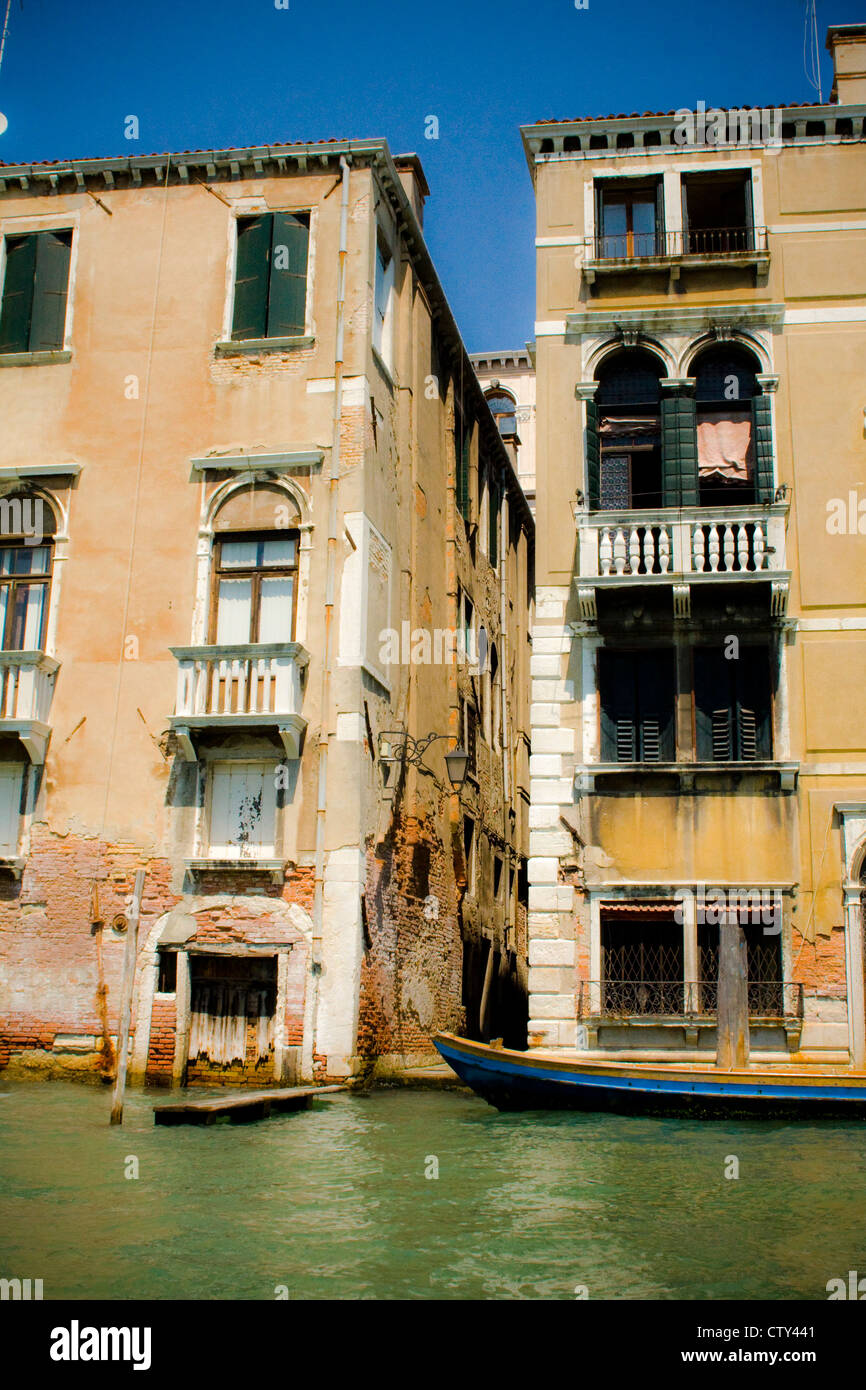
column 414, row 183
column 847, row 43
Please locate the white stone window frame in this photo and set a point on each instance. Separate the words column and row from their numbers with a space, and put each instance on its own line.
column 852, row 818
column 671, row 171
column 600, row 897
column 385, row 240
column 353, row 644
column 208, row 533
column 47, row 222
column 257, row 206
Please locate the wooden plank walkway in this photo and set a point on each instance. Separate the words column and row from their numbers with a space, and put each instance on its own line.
column 239, row 1106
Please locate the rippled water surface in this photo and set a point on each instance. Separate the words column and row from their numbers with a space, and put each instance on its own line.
column 333, row 1202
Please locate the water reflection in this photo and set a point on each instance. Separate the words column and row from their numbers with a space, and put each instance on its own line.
column 334, row 1203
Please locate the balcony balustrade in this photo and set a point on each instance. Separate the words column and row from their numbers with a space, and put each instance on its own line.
column 677, row 545
column 26, row 691
column 256, row 685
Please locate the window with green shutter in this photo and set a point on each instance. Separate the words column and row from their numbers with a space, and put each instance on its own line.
column 271, row 276
column 35, row 289
column 733, row 705
column 494, row 505
column 638, row 698
column 462, row 442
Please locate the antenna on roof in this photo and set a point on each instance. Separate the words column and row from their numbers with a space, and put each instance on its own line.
column 811, row 51
column 5, row 28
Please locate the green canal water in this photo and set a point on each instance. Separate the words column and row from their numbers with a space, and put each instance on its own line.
column 333, row 1202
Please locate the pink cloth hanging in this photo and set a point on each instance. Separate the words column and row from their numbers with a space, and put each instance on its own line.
column 724, row 447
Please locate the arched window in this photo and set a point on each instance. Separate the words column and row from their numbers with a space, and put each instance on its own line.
column 503, row 408
column 628, row 412
column 255, row 569
column 726, row 385
column 26, row 552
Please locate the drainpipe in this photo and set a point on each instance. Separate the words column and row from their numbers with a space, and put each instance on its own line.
column 327, row 660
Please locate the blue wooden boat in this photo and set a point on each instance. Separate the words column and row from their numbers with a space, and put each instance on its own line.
column 535, row 1080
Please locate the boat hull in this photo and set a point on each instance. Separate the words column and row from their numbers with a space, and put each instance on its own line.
column 512, row 1080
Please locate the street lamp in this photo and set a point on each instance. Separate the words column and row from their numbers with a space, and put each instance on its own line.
column 396, row 746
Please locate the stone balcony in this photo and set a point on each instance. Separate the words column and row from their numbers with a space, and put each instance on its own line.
column 679, row 547
column 229, row 688
column 26, row 691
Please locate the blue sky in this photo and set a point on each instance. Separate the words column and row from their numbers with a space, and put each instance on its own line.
column 205, row 73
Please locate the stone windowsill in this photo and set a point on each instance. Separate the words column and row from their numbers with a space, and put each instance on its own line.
column 275, row 867
column 43, row 358
column 244, row 347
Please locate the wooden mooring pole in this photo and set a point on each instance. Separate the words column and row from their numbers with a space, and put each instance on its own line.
column 732, row 1023
column 129, row 959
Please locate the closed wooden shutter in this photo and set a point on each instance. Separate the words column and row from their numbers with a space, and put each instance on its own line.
column 618, row 690
column 243, row 810
column 11, row 777
column 18, row 294
column 592, row 455
column 462, row 440
column 637, row 706
column 251, row 277
column 288, row 278
column 50, row 290
column 733, row 705
column 655, row 685
column 494, row 504
column 762, row 435
column 679, row 452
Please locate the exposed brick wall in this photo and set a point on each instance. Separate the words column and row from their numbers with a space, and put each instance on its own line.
column 411, row 976
column 820, row 965
column 48, row 952
column 160, row 1054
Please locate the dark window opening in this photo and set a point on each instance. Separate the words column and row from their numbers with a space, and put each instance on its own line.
column 469, row 852
column 766, row 991
column 167, row 981
column 598, row 142
column 420, row 881
column 733, row 705
column 497, row 877
column 638, row 704
column 726, row 384
column 642, row 966
column 815, row 128
column 717, row 213
column 271, row 276
column 845, row 127
column 571, row 143
column 789, row 130
column 625, row 140
column 628, row 401
column 652, row 137
column 35, row 288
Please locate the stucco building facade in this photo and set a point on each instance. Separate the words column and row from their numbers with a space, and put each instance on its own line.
column 261, row 535
column 699, row 643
